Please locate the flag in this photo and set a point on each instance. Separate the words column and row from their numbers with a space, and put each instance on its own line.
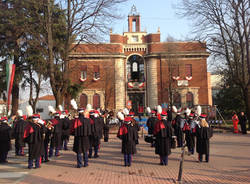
column 10, row 73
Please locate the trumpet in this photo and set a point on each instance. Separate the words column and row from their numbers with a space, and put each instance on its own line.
column 49, row 125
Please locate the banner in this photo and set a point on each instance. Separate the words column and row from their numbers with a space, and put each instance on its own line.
column 10, row 73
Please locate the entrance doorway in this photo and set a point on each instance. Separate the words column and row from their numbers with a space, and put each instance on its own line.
column 138, row 102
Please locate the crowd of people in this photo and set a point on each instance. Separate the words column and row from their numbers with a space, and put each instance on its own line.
column 45, row 138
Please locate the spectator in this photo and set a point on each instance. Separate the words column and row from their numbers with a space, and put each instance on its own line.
column 242, row 122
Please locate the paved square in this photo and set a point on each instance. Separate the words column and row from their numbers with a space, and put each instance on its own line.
column 229, row 163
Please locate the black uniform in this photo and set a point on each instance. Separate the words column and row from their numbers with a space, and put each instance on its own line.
column 34, row 135
column 5, row 141
column 128, row 134
column 163, row 134
column 97, row 124
column 81, row 130
column 203, row 134
column 56, row 137
column 189, row 136
column 178, row 130
column 65, row 132
column 19, row 126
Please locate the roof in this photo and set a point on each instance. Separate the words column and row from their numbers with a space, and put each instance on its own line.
column 47, row 97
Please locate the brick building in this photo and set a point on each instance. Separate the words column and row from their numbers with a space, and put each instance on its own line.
column 138, row 67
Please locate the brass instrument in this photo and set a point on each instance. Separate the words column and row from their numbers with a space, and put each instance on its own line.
column 49, row 125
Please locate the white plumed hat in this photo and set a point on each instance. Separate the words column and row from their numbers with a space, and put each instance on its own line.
column 174, row 109
column 120, row 115
column 19, row 112
column 51, row 109
column 199, row 110
column 60, row 108
column 148, row 110
column 73, row 104
column 126, row 111
column 29, row 110
column 159, row 109
column 89, row 107
column 187, row 111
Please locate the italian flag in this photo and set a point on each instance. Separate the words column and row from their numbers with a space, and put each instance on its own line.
column 10, row 73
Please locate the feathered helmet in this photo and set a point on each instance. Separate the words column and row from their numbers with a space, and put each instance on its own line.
column 187, row 111
column 29, row 111
column 73, row 104
column 120, row 116
column 125, row 111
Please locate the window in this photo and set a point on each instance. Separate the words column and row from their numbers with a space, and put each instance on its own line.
column 189, row 99
column 175, row 70
column 177, row 100
column 83, row 100
column 96, row 72
column 39, row 110
column 135, row 39
column 96, row 101
column 135, row 67
column 188, row 70
column 84, row 72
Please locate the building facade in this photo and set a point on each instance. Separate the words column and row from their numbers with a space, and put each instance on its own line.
column 136, row 69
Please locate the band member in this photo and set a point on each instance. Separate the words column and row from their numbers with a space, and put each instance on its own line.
column 96, row 133
column 128, row 136
column 66, row 126
column 203, row 133
column 151, row 122
column 5, row 139
column 177, row 125
column 163, row 134
column 243, row 121
column 136, row 126
column 81, row 130
column 48, row 129
column 34, row 135
column 106, row 126
column 19, row 126
column 189, row 131
column 56, row 136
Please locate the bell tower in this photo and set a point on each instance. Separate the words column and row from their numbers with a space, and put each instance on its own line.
column 134, row 20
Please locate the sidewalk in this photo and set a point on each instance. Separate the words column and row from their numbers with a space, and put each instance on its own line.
column 229, row 164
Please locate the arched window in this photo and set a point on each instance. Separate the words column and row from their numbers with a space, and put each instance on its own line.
column 177, row 100
column 83, row 100
column 190, row 99
column 96, row 101
column 135, row 69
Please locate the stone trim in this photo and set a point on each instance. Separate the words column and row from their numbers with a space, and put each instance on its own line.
column 90, row 93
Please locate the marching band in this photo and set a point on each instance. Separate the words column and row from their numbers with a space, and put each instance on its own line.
column 45, row 138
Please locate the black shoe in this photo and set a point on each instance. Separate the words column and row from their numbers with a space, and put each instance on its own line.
column 46, row 161
column 78, row 166
column 90, row 156
column 96, row 156
column 85, row 165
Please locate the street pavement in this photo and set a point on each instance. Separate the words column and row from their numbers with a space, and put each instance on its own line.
column 229, row 164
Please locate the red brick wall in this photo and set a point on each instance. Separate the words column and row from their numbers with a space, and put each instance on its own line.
column 199, row 78
column 107, row 77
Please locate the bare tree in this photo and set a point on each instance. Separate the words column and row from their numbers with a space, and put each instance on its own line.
column 86, row 21
column 225, row 26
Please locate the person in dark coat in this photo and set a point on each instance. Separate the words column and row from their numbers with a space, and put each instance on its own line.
column 66, row 127
column 189, row 131
column 48, row 129
column 81, row 129
column 5, row 139
column 128, row 136
column 163, row 134
column 151, row 124
column 242, row 122
column 106, row 126
column 203, row 133
column 136, row 126
column 56, row 136
column 97, row 124
column 19, row 126
column 34, row 136
column 177, row 125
